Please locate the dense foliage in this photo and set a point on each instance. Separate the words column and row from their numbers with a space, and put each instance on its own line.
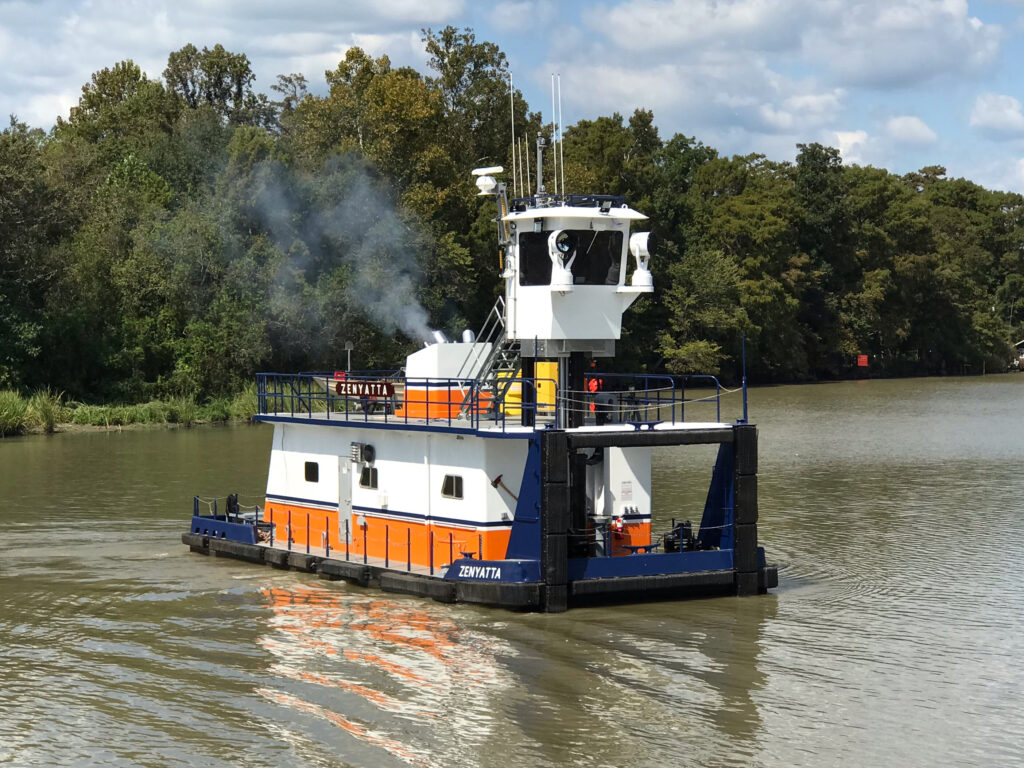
column 171, row 237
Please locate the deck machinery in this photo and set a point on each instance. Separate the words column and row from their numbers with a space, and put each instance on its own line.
column 503, row 468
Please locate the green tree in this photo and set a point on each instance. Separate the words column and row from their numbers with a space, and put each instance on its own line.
column 703, row 299
column 30, row 220
column 219, row 79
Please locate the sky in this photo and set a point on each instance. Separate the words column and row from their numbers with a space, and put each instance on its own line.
column 898, row 84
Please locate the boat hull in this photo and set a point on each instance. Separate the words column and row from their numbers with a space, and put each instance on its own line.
column 515, row 595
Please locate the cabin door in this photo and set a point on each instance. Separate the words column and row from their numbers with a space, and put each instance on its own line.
column 344, row 495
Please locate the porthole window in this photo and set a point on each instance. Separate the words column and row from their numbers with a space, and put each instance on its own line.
column 312, row 472
column 368, row 478
column 451, row 488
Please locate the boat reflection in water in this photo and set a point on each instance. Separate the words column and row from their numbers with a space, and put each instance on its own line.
column 378, row 667
column 409, row 682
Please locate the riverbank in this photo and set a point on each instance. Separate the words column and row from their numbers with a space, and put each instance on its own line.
column 46, row 412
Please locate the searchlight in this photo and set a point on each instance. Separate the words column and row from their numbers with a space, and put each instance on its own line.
column 639, row 246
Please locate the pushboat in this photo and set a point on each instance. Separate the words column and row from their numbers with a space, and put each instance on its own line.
column 504, row 469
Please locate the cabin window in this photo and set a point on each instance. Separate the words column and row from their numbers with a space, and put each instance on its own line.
column 368, row 478
column 598, row 257
column 451, row 488
column 312, row 472
column 534, row 262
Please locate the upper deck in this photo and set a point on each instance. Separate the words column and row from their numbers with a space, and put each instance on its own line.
column 620, row 403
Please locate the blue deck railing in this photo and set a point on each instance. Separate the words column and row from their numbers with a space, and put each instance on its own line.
column 386, row 397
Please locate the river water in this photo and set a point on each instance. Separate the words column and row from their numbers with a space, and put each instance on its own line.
column 895, row 510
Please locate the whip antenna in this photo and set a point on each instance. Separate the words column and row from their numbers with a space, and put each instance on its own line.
column 554, row 137
column 524, row 181
column 512, row 109
column 529, row 176
column 561, row 150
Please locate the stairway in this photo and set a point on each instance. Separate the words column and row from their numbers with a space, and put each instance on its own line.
column 499, row 369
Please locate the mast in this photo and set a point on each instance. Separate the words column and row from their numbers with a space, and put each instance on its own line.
column 541, row 143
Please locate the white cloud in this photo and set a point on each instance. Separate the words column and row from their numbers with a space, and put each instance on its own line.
column 907, row 129
column 998, row 115
column 403, row 46
column 878, row 42
column 51, row 48
column 902, row 42
column 645, row 25
column 698, row 95
column 731, row 98
column 522, row 15
column 997, row 173
column 852, row 145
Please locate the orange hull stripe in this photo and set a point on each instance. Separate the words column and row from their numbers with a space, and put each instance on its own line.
column 399, row 541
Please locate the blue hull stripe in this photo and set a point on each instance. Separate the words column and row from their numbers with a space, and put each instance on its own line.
column 300, row 500
column 416, row 515
column 398, row 426
column 377, row 512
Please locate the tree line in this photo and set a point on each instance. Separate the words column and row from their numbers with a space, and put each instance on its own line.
column 173, row 236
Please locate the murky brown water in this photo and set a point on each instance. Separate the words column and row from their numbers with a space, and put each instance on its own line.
column 896, row 637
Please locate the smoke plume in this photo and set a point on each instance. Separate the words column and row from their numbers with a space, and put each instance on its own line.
column 343, row 217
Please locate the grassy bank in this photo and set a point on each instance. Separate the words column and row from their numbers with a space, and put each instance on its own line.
column 47, row 411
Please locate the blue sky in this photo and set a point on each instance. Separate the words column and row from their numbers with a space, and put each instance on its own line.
column 898, row 84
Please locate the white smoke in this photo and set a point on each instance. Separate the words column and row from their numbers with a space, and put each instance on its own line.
column 343, row 216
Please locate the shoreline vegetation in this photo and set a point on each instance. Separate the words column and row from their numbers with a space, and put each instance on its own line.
column 48, row 412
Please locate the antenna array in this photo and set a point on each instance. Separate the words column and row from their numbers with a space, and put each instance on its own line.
column 522, row 182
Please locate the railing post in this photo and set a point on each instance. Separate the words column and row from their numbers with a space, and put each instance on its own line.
column 327, row 535
column 348, row 549
column 451, row 549
column 289, row 530
column 431, row 552
column 195, row 506
column 480, row 545
column 307, row 533
column 365, row 526
column 387, row 548
column 408, row 549
column 744, row 378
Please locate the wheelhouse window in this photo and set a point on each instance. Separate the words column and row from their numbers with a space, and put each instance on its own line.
column 451, row 488
column 598, row 256
column 368, row 478
column 312, row 472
